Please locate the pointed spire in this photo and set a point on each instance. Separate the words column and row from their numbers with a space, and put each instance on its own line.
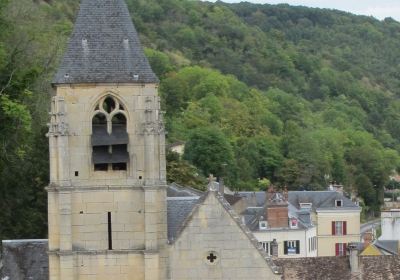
column 104, row 47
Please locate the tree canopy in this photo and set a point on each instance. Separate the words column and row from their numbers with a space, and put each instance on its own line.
column 292, row 96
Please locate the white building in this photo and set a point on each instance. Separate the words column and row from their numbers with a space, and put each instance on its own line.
column 390, row 223
column 275, row 222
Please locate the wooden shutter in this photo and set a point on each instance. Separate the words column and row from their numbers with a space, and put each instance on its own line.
column 297, row 246
column 337, row 249
column 333, row 228
column 344, row 228
column 285, row 249
column 344, row 249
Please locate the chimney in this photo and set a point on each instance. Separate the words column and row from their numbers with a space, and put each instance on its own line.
column 354, row 261
column 221, row 186
column 285, row 194
column 274, row 248
column 276, row 210
column 368, row 237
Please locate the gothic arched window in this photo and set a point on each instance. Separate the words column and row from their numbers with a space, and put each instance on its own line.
column 109, row 136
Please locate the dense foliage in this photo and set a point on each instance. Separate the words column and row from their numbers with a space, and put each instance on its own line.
column 294, row 96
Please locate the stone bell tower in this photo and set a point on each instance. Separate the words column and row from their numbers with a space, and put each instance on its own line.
column 106, row 198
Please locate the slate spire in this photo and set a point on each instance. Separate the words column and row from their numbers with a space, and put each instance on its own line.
column 104, row 47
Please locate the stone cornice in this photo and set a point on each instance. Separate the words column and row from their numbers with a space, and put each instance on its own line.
column 57, row 188
column 100, row 252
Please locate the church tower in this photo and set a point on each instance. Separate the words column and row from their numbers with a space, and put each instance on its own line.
column 107, row 192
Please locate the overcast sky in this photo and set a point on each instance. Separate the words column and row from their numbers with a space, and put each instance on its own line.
column 377, row 8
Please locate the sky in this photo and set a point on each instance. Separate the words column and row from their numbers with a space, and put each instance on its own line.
column 376, row 8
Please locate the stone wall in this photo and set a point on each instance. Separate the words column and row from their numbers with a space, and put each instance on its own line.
column 338, row 268
column 212, row 232
column 24, row 260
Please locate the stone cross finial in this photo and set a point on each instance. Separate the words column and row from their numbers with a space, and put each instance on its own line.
column 212, row 186
column 211, row 178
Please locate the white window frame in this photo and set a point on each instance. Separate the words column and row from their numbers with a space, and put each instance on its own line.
column 341, row 203
column 296, row 224
column 291, row 244
column 338, row 227
column 341, row 249
column 263, row 225
column 266, row 245
column 305, row 205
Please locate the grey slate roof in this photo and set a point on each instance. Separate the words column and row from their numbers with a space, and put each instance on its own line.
column 175, row 190
column 178, row 209
column 104, row 47
column 390, row 246
column 320, row 199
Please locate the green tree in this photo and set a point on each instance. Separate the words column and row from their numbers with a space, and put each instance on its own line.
column 183, row 173
column 209, row 150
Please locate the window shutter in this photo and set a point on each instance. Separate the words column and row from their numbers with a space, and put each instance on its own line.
column 344, row 249
column 337, row 249
column 333, row 228
column 297, row 246
column 285, row 251
column 344, row 228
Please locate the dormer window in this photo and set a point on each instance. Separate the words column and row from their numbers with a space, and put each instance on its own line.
column 263, row 225
column 109, row 136
column 305, row 205
column 294, row 223
column 339, row 203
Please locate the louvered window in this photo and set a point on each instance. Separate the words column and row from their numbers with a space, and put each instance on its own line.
column 109, row 136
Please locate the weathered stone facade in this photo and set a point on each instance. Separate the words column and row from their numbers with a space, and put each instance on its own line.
column 80, row 198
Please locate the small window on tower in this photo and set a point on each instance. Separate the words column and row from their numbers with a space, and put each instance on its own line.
column 119, row 166
column 101, row 167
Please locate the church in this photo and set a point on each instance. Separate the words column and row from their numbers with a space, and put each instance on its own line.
column 108, row 212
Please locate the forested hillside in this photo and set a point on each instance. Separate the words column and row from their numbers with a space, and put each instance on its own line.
column 293, row 95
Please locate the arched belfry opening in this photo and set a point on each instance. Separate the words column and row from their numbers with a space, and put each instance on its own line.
column 109, row 135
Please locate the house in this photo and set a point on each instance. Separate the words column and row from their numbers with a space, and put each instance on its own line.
column 274, row 221
column 337, row 219
column 390, row 224
column 334, row 217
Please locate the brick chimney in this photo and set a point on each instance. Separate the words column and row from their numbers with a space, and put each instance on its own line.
column 276, row 209
column 368, row 237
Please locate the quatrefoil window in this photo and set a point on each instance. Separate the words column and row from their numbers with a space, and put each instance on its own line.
column 109, row 135
column 212, row 258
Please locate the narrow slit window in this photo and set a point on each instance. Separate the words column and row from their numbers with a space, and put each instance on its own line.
column 109, row 231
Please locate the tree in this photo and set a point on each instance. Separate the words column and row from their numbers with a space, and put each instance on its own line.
column 181, row 172
column 208, row 149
